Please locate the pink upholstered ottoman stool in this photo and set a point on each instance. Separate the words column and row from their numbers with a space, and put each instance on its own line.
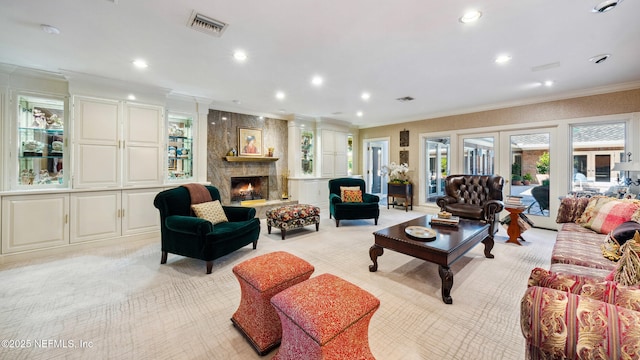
column 260, row 278
column 325, row 317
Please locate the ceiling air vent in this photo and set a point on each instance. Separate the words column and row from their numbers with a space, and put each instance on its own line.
column 206, row 24
column 405, row 99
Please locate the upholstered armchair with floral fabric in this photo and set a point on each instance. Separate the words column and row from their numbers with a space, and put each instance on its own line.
column 567, row 316
column 365, row 207
column 474, row 197
column 187, row 235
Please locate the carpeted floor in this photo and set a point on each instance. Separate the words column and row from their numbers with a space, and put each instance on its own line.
column 120, row 303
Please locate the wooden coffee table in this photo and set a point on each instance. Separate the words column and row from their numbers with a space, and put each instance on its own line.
column 450, row 243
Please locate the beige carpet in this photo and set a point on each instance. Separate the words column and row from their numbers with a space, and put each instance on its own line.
column 125, row 305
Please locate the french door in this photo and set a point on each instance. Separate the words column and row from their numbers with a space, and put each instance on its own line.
column 527, row 164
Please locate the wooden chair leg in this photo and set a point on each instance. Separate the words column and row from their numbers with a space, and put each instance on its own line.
column 268, row 229
column 283, row 233
column 376, row 221
column 337, row 223
column 317, row 226
column 255, row 244
column 209, row 266
column 163, row 260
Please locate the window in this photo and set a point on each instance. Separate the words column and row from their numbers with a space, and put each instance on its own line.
column 595, row 150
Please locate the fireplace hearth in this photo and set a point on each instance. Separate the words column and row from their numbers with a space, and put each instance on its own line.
column 249, row 188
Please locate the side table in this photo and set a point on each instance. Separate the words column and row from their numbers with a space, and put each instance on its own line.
column 514, row 231
column 402, row 191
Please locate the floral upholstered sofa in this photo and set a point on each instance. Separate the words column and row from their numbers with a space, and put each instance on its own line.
column 576, row 310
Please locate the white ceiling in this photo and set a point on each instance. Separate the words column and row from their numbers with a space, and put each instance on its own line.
column 390, row 49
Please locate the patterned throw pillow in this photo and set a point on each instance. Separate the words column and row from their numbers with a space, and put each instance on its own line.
column 352, row 196
column 571, row 208
column 617, row 237
column 603, row 214
column 343, row 188
column 211, row 211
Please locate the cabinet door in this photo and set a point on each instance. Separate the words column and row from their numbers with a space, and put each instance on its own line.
column 138, row 213
column 341, row 167
column 334, row 153
column 97, row 154
column 95, row 215
column 328, row 153
column 34, row 221
column 143, row 131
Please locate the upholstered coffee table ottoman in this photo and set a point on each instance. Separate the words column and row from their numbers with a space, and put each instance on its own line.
column 260, row 278
column 292, row 216
column 325, row 317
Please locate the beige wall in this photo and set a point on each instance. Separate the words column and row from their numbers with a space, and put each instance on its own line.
column 596, row 105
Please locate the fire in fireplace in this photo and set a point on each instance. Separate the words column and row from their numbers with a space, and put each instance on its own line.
column 249, row 188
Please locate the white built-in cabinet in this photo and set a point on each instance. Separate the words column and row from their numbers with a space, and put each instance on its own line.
column 334, row 153
column 34, row 221
column 107, row 214
column 117, row 143
column 312, row 191
column 96, row 215
column 76, row 217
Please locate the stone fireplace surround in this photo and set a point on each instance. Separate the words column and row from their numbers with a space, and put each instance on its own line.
column 222, row 136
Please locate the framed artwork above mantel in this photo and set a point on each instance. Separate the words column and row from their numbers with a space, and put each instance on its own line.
column 249, row 142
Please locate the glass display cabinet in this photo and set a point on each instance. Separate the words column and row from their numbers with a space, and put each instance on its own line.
column 41, row 142
column 180, row 147
column 306, row 147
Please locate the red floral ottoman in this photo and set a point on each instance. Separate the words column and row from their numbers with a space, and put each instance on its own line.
column 292, row 216
column 260, row 278
column 325, row 317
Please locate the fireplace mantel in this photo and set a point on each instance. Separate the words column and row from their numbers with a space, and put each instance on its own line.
column 250, row 158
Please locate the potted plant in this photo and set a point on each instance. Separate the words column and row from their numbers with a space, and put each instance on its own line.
column 398, row 173
column 542, row 165
column 516, row 180
column 526, row 179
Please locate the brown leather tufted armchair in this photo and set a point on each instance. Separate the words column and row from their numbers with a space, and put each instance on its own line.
column 474, row 197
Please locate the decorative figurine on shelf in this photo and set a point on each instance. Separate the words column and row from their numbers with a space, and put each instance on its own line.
column 39, row 119
column 270, row 151
column 232, row 152
column 54, row 122
column 32, row 176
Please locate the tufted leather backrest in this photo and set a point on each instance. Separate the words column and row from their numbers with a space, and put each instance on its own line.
column 474, row 189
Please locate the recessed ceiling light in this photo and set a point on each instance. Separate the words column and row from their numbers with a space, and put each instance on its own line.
column 50, row 29
column 236, row 101
column 365, row 96
column 317, row 80
column 598, row 59
column 548, row 83
column 502, row 59
column 470, row 17
column 131, row 97
column 224, row 118
column 260, row 117
column 240, row 56
column 606, row 6
column 280, row 95
column 140, row 64
column 359, row 114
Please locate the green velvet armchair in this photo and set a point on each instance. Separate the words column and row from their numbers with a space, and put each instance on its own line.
column 340, row 210
column 187, row 235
